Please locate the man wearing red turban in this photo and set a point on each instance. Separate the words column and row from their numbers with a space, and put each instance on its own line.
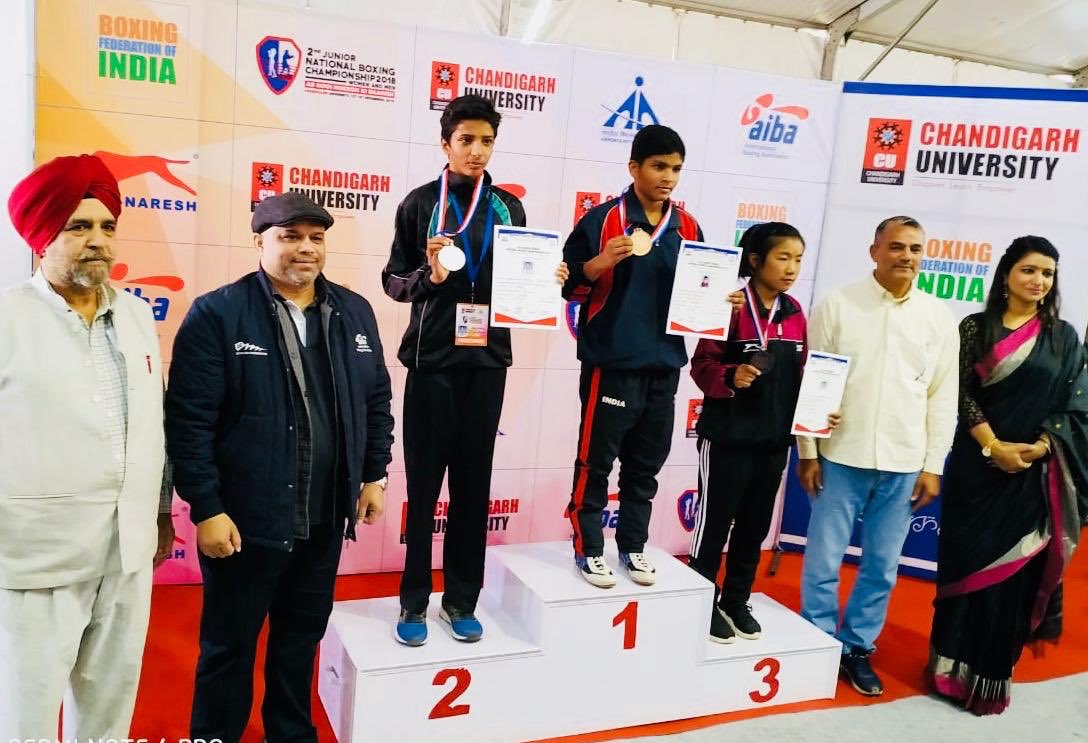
column 82, row 478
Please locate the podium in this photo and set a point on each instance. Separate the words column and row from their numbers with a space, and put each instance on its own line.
column 562, row 657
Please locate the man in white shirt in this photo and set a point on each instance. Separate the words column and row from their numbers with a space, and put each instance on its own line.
column 886, row 459
column 82, row 481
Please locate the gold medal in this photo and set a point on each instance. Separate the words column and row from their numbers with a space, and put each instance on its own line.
column 641, row 243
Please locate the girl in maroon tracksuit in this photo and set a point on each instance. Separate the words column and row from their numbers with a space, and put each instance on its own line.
column 750, row 382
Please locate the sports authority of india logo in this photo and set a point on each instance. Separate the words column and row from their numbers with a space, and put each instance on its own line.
column 634, row 113
column 445, row 82
column 277, row 61
column 887, row 144
column 685, row 509
column 137, row 49
column 770, row 127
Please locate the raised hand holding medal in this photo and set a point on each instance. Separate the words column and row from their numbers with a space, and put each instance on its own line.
column 642, row 242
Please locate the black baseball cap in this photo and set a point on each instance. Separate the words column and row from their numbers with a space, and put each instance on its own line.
column 285, row 208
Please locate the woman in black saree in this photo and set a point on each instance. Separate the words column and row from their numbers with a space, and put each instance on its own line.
column 1009, row 516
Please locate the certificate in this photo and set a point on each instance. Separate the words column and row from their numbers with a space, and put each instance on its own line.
column 705, row 277
column 524, row 292
column 821, row 393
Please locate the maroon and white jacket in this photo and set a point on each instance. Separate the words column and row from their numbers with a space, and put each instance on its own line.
column 757, row 417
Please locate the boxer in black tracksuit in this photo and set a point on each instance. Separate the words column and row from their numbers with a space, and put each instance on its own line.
column 630, row 366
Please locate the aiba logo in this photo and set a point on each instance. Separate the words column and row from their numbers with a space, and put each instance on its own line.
column 686, row 510
column 277, row 62
column 160, row 305
column 634, row 113
column 445, row 82
column 770, row 123
column 125, row 167
column 887, row 146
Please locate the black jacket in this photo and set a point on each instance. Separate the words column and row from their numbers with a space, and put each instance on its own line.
column 230, row 419
column 621, row 322
column 428, row 342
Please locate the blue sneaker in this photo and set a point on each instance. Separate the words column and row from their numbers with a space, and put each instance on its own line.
column 462, row 625
column 411, row 628
column 595, row 571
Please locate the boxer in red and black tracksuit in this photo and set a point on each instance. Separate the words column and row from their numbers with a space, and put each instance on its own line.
column 744, row 428
column 630, row 366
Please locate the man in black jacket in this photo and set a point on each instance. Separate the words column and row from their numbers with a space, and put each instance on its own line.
column 456, row 365
column 278, row 422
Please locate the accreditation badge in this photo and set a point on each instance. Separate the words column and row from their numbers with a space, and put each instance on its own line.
column 470, row 324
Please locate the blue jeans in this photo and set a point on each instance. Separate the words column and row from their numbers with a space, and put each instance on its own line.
column 882, row 501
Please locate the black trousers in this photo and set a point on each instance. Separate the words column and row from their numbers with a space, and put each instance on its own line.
column 450, row 421
column 294, row 590
column 737, row 488
column 626, row 415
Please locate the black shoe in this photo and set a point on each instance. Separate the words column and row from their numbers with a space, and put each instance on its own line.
column 720, row 630
column 743, row 623
column 859, row 672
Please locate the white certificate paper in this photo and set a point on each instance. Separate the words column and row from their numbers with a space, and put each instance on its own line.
column 705, row 277
column 821, row 393
column 524, row 291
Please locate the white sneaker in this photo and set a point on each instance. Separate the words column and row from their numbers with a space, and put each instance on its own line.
column 638, row 568
column 595, row 571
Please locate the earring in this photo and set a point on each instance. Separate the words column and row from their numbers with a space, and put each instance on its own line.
column 1005, row 292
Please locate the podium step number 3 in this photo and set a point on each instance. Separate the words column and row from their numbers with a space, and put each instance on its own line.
column 562, row 657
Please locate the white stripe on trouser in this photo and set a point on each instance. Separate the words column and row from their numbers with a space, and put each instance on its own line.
column 700, row 504
column 81, row 643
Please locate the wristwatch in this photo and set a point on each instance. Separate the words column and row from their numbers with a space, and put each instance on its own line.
column 988, row 450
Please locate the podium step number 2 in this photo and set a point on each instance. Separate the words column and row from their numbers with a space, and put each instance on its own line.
column 641, row 654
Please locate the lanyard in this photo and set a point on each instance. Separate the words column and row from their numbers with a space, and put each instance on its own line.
column 473, row 267
column 761, row 330
column 661, row 226
column 444, row 198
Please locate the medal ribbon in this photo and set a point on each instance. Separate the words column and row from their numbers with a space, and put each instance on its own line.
column 761, row 330
column 444, row 199
column 471, row 265
column 661, row 226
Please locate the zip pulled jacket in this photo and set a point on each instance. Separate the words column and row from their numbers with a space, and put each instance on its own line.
column 428, row 342
column 760, row 416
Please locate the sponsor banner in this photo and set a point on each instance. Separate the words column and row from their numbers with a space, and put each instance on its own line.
column 695, row 409
column 148, row 57
column 614, row 96
column 529, row 85
column 359, row 181
column 771, row 126
column 978, row 168
column 174, row 177
column 306, row 74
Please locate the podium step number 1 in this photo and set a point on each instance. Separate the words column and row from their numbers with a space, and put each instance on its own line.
column 562, row 657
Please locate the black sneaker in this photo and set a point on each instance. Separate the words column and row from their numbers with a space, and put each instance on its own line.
column 720, row 630
column 743, row 623
column 859, row 672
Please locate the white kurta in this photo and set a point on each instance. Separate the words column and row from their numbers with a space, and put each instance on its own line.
column 77, row 513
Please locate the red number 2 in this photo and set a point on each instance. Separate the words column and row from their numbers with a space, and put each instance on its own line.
column 629, row 619
column 772, row 667
column 445, row 707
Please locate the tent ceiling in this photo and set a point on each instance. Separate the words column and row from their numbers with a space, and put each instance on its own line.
column 1045, row 36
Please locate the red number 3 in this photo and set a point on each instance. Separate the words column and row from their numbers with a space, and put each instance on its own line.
column 445, row 707
column 772, row 667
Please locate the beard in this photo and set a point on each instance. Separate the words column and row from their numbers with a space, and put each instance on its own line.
column 90, row 275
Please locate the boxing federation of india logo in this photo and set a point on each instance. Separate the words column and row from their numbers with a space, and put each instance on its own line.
column 277, row 61
column 886, row 148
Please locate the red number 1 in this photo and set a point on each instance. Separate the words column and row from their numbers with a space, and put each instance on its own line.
column 629, row 619
column 445, row 707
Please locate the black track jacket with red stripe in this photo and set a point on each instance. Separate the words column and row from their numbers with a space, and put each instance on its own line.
column 756, row 417
column 621, row 324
